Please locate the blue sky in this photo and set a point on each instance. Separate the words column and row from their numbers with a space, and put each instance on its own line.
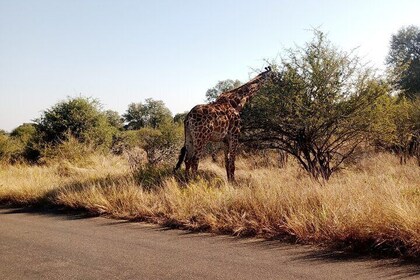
column 125, row 51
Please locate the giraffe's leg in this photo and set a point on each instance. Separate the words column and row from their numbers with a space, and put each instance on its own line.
column 233, row 144
column 194, row 165
column 197, row 156
column 227, row 156
column 187, row 167
column 230, row 156
column 232, row 166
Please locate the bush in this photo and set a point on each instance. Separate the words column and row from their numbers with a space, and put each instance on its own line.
column 69, row 150
column 10, row 149
column 161, row 145
column 395, row 125
column 80, row 117
column 16, row 147
column 126, row 140
column 27, row 137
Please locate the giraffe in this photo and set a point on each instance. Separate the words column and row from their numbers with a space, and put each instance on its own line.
column 218, row 121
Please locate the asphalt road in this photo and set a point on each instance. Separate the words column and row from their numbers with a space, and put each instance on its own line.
column 45, row 245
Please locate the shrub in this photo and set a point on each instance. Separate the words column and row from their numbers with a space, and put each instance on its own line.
column 126, row 140
column 16, row 147
column 80, row 117
column 27, row 137
column 161, row 145
column 9, row 149
column 69, row 150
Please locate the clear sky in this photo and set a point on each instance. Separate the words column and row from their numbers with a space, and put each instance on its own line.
column 125, row 51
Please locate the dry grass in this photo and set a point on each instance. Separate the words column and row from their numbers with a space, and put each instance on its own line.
column 374, row 206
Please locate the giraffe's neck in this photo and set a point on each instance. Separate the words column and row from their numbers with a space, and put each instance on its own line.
column 237, row 98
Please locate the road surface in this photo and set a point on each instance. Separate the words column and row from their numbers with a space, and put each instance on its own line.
column 48, row 245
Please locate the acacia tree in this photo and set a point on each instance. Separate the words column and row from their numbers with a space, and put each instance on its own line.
column 404, row 61
column 317, row 108
column 221, row 86
column 152, row 113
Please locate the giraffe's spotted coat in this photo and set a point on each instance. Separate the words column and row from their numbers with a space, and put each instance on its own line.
column 218, row 121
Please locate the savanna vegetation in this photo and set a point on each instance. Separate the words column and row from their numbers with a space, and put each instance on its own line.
column 330, row 155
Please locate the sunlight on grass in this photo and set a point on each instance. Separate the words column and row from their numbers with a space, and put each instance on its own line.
column 372, row 206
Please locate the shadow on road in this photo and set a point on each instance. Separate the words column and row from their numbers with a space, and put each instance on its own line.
column 389, row 266
column 65, row 213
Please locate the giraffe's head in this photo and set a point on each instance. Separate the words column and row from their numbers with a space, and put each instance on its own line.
column 265, row 75
column 254, row 86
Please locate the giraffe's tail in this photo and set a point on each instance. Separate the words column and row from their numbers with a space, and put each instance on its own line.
column 181, row 158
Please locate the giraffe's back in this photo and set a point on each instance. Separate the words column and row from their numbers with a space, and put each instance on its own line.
column 209, row 122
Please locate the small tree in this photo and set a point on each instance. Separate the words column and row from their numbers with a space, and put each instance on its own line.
column 114, row 119
column 151, row 113
column 404, row 61
column 317, row 109
column 161, row 144
column 395, row 126
column 8, row 149
column 26, row 137
column 221, row 86
column 407, row 133
column 180, row 117
column 24, row 132
column 15, row 146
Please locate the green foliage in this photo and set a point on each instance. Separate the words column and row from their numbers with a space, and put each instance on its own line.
column 80, row 117
column 126, row 140
column 10, row 149
column 404, row 121
column 161, row 145
column 407, row 122
column 316, row 109
column 395, row 123
column 220, row 87
column 404, row 61
column 16, row 147
column 24, row 133
column 27, row 138
column 69, row 150
column 382, row 115
column 180, row 117
column 416, row 115
column 151, row 113
column 114, row 119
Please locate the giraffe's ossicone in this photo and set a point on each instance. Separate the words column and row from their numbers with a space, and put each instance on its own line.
column 218, row 121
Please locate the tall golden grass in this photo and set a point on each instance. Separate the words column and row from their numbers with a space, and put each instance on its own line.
column 372, row 206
